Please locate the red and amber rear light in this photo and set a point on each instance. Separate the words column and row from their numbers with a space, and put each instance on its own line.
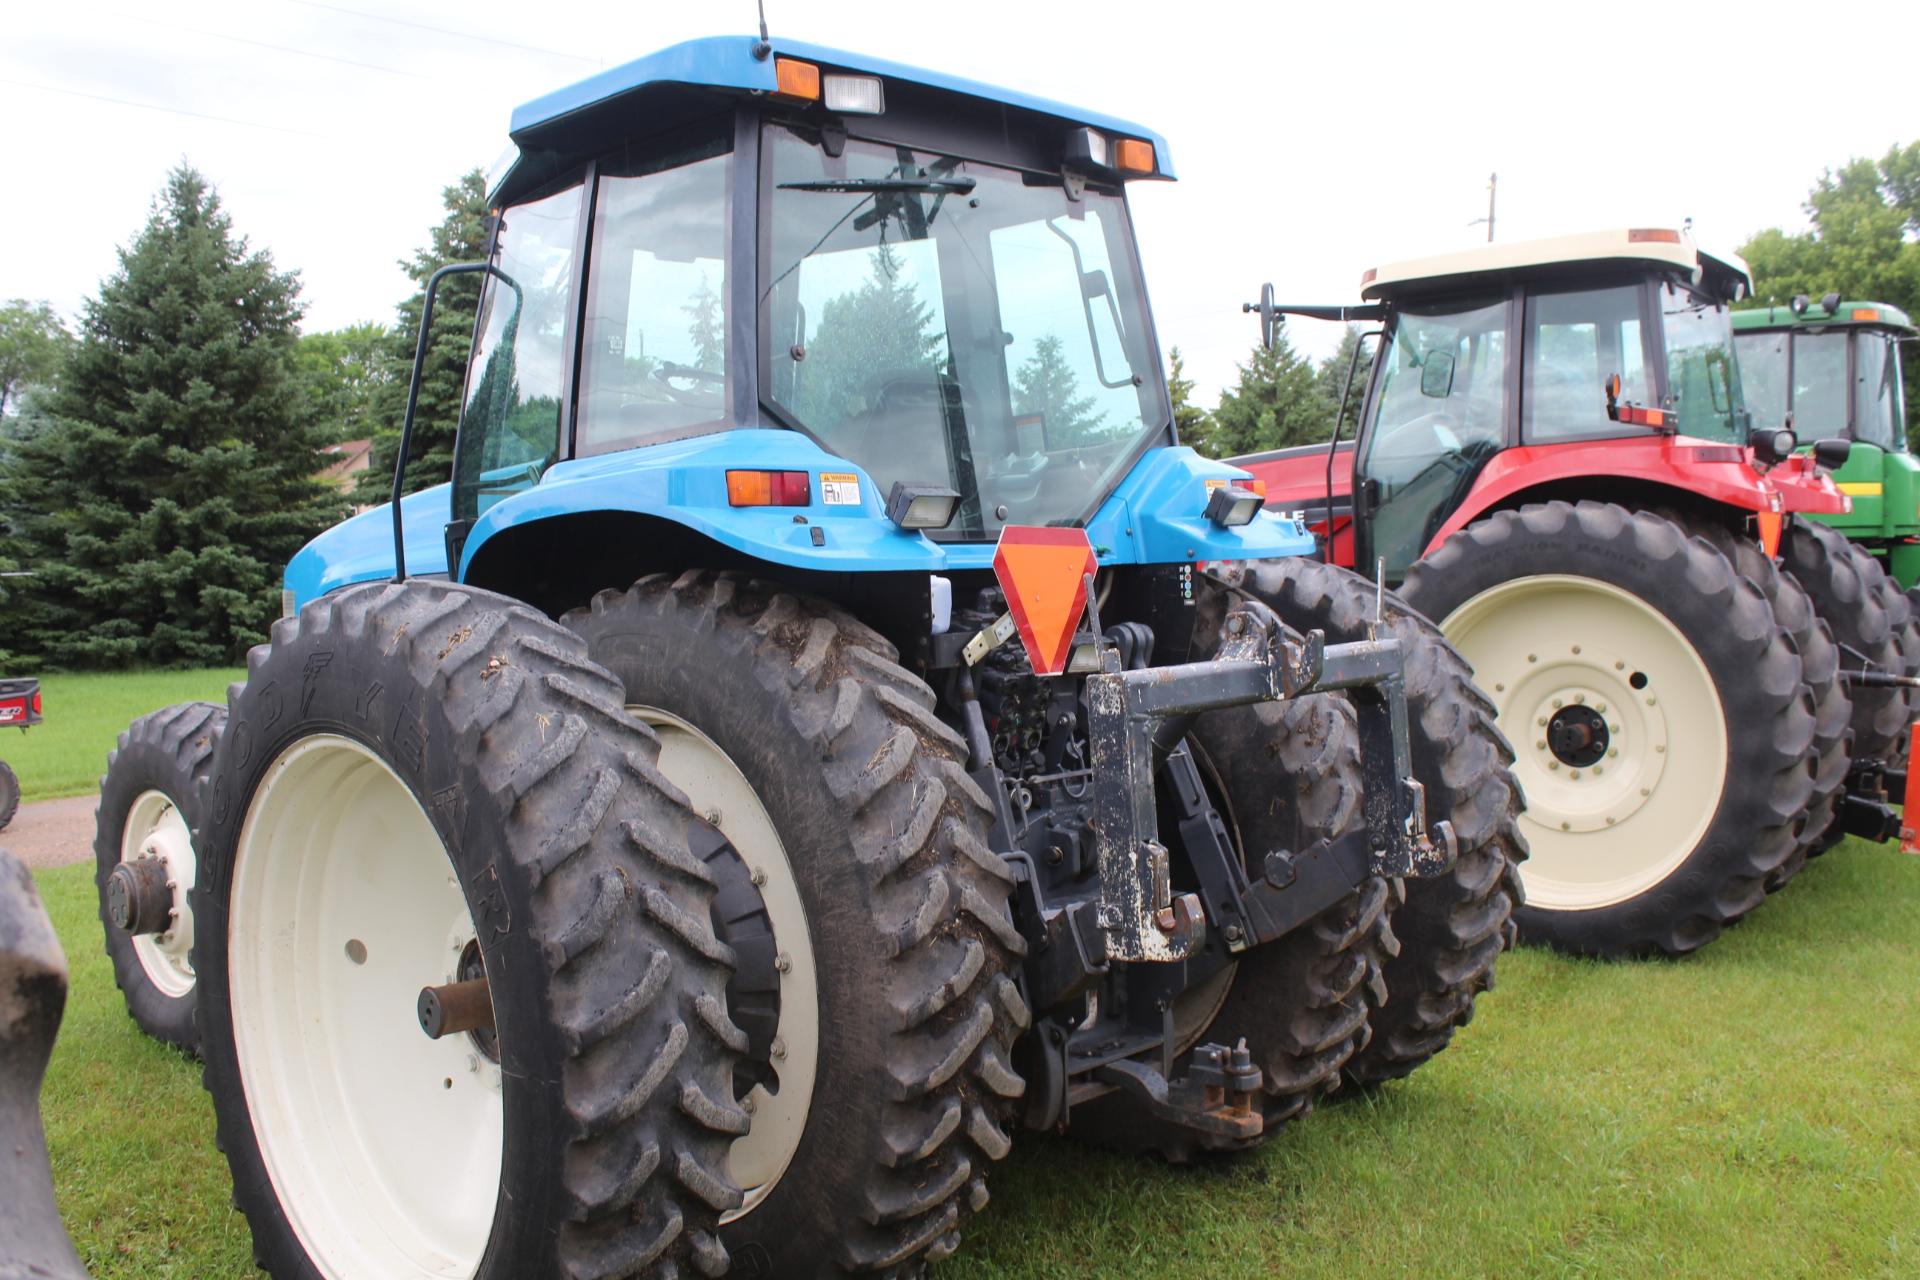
column 795, row 81
column 1653, row 235
column 768, row 489
column 36, row 702
column 1131, row 155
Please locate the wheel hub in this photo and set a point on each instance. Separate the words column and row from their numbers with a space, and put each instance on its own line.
column 1578, row 736
column 147, row 893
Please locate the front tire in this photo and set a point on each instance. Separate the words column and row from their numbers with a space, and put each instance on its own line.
column 9, row 794
column 1665, row 731
column 899, row 1008
column 421, row 783
column 149, row 807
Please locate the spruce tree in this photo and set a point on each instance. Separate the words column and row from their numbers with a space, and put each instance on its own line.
column 159, row 506
column 1046, row 384
column 461, row 236
column 1278, row 402
column 1190, row 421
column 1333, row 378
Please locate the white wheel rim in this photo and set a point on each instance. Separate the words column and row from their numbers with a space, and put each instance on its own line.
column 382, row 1145
column 1607, row 833
column 721, row 794
column 155, row 829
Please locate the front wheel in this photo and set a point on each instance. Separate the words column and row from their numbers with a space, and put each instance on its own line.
column 1663, row 731
column 426, row 786
column 9, row 794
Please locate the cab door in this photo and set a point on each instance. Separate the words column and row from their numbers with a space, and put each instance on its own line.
column 1439, row 407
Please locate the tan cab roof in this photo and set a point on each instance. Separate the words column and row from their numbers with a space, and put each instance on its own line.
column 1649, row 246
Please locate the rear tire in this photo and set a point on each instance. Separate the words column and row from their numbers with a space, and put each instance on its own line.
column 1589, row 612
column 9, row 794
column 416, row 781
column 1284, row 775
column 1851, row 593
column 149, row 806
column 1451, row 928
column 904, row 912
column 1820, row 670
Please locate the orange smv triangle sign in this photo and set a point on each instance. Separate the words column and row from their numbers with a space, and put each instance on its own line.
column 1044, row 573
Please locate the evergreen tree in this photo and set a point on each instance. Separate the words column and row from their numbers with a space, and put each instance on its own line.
column 160, row 507
column 33, row 344
column 1332, row 378
column 461, row 236
column 883, row 327
column 1047, row 385
column 1277, row 403
column 348, row 374
column 1190, row 421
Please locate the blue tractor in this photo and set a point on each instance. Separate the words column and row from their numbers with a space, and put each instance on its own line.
column 826, row 724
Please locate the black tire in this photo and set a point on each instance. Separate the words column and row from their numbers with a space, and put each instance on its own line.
column 608, row 986
column 907, row 909
column 9, row 794
column 1852, row 595
column 1284, row 775
column 1450, row 929
column 1766, row 708
column 1906, row 642
column 169, row 752
column 1820, row 670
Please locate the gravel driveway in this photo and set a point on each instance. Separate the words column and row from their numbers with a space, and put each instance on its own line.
column 51, row 833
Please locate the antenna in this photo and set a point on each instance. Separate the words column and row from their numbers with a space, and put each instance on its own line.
column 1493, row 183
column 764, row 46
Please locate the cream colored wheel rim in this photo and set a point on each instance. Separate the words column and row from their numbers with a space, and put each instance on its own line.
column 155, row 829
column 1610, row 831
column 721, row 794
column 384, row 1147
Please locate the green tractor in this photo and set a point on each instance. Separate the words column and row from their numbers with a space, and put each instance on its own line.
column 1835, row 366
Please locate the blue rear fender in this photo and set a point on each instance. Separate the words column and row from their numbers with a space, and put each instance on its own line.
column 1156, row 515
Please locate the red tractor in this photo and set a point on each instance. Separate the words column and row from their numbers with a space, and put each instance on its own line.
column 19, row 709
column 1555, row 464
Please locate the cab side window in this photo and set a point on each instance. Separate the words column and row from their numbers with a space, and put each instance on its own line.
column 510, row 425
column 1575, row 342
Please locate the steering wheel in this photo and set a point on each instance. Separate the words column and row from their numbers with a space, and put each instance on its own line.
column 666, row 371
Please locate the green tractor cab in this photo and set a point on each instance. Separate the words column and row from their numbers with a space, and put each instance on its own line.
column 1835, row 366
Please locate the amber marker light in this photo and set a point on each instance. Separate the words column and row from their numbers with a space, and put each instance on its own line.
column 768, row 489
column 795, row 81
column 1131, row 155
column 1866, row 314
column 1653, row 235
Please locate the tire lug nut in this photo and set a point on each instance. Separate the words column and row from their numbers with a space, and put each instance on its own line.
column 1619, row 666
column 1542, row 722
column 1661, row 747
column 779, row 1049
column 748, row 1105
column 1566, row 826
column 1598, row 770
column 1646, row 791
column 1541, row 745
column 1612, row 752
column 759, row 875
column 783, row 962
column 1557, row 703
column 1579, row 697
column 1573, row 773
column 1601, row 707
column 1553, row 764
column 1609, row 821
column 1533, row 657
column 1576, row 648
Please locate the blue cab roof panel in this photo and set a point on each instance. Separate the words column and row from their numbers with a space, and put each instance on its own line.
column 728, row 62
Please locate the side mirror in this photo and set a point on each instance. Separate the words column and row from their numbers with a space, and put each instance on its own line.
column 1832, row 454
column 1270, row 317
column 1772, row 444
column 1436, row 375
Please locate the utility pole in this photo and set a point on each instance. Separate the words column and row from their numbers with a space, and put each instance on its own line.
column 1493, row 184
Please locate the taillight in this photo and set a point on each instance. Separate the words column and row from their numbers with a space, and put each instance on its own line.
column 768, row 489
column 36, row 702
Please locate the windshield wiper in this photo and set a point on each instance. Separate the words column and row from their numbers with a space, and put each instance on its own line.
column 946, row 186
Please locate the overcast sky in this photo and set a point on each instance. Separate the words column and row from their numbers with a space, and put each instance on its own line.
column 1311, row 141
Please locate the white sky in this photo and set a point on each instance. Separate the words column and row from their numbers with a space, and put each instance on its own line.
column 1312, row 141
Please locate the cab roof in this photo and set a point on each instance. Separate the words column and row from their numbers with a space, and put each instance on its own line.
column 1504, row 263
column 685, row 80
column 1775, row 316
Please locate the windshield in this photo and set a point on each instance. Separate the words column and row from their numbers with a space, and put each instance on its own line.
column 943, row 321
column 1439, row 411
column 1703, row 387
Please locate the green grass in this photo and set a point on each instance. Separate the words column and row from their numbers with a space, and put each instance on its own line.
column 1752, row 1111
column 66, row 754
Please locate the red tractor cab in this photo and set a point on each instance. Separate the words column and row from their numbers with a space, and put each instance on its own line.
column 1554, row 463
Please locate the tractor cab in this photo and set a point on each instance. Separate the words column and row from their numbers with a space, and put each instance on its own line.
column 1836, row 368
column 1523, row 366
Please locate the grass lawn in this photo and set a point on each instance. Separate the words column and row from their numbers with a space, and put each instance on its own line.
column 1752, row 1111
column 65, row 755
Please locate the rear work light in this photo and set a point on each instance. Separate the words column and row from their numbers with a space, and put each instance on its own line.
column 769, row 489
column 856, row 95
column 1230, row 506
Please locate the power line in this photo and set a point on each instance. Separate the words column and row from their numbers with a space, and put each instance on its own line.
column 446, row 31
column 153, row 106
column 280, row 48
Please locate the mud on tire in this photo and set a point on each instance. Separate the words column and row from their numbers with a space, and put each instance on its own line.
column 1283, row 775
column 569, row 853
column 1449, row 929
column 152, row 775
column 907, row 913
